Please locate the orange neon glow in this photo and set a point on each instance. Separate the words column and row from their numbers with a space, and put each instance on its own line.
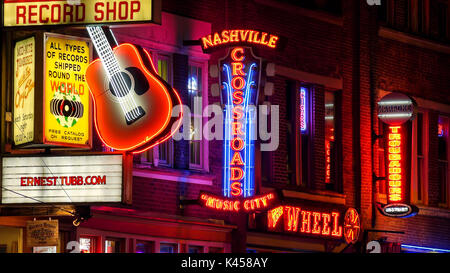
column 234, row 56
column 237, row 83
column 256, row 203
column 237, row 159
column 352, row 226
column 238, row 112
column 306, row 222
column 337, row 230
column 316, row 222
column 236, row 128
column 227, row 37
column 240, row 143
column 157, row 104
column 291, row 218
column 273, row 216
column 236, row 189
column 326, row 230
column 394, row 173
column 236, row 173
column 309, row 222
column 238, row 97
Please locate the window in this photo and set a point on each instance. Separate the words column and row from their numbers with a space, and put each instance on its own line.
column 145, row 247
column 443, row 126
column 331, row 145
column 88, row 244
column 113, row 246
column 331, row 6
column 195, row 249
column 216, row 250
column 439, row 19
column 419, row 158
column 305, row 129
column 167, row 248
column 427, row 18
column 161, row 155
column 195, row 89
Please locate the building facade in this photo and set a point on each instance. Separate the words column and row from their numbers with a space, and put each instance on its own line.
column 340, row 59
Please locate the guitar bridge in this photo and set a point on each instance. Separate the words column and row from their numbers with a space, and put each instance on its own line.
column 133, row 115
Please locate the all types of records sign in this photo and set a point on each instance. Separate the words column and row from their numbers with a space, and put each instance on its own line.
column 67, row 119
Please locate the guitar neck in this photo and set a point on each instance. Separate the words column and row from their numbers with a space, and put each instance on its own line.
column 104, row 50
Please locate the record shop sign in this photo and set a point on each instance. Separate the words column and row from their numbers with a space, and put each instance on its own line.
column 42, row 233
column 79, row 12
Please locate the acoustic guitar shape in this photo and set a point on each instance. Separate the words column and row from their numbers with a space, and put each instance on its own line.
column 132, row 103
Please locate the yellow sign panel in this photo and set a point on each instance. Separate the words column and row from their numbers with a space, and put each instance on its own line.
column 23, row 118
column 41, row 12
column 66, row 93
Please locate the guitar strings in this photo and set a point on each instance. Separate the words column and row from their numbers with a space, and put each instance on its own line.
column 117, row 80
column 95, row 36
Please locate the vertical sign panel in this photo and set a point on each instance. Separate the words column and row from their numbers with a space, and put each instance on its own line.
column 240, row 77
column 66, row 93
column 303, row 110
column 24, row 81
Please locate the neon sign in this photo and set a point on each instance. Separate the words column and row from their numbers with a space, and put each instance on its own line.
column 303, row 107
column 329, row 224
column 247, row 205
column 240, row 76
column 239, row 36
column 395, row 109
column 395, row 168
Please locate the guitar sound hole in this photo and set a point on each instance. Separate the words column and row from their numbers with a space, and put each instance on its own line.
column 120, row 84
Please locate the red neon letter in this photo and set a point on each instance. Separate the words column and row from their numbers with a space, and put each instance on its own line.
column 337, row 230
column 291, row 218
column 236, row 173
column 237, row 159
column 236, row 191
column 234, row 52
column 306, row 222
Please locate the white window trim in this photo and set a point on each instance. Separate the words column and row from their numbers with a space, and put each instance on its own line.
column 204, row 147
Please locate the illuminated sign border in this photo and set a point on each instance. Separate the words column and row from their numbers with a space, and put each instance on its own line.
column 46, row 178
column 241, row 37
column 259, row 203
column 318, row 223
column 397, row 210
column 240, row 78
column 88, row 145
column 155, row 17
column 303, row 110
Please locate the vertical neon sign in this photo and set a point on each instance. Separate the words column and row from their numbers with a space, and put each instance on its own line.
column 303, row 112
column 240, row 76
column 395, row 165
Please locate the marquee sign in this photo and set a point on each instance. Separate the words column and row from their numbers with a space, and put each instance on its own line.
column 332, row 224
column 26, row 13
column 62, row 179
column 395, row 110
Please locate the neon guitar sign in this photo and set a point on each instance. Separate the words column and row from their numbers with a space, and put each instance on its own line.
column 132, row 103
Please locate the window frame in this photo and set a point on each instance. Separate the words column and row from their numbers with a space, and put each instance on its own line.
column 204, row 143
column 415, row 161
column 446, row 204
column 151, row 156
